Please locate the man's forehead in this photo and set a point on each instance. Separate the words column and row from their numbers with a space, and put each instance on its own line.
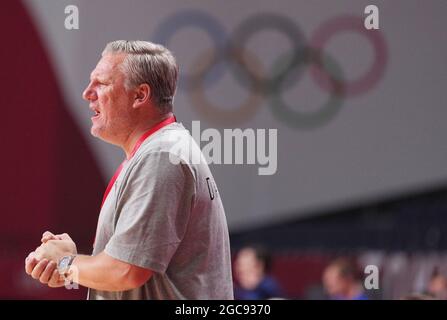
column 107, row 65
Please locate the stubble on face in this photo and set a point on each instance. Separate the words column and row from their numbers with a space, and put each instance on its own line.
column 112, row 103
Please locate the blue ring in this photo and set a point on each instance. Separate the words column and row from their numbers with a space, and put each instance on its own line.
column 201, row 20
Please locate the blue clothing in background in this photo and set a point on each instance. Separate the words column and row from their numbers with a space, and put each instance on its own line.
column 267, row 288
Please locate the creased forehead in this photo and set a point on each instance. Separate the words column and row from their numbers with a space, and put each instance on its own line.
column 108, row 65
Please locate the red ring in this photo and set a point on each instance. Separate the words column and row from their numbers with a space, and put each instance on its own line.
column 375, row 72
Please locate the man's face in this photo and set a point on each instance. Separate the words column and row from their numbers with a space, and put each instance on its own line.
column 109, row 100
column 248, row 269
column 438, row 287
column 333, row 282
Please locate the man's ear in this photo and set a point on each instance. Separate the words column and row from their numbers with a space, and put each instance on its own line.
column 142, row 95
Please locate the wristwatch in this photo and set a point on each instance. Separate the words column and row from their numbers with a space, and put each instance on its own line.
column 64, row 264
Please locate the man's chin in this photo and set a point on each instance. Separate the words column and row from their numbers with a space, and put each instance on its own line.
column 95, row 132
column 100, row 134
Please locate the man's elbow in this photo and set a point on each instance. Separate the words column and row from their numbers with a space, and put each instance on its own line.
column 120, row 275
column 134, row 277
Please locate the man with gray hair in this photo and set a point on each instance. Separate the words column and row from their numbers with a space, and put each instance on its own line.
column 160, row 234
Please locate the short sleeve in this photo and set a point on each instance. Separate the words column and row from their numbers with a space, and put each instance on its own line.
column 153, row 210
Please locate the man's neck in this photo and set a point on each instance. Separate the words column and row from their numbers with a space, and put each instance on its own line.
column 138, row 131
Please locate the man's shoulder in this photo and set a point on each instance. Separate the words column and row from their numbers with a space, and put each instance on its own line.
column 167, row 139
column 175, row 142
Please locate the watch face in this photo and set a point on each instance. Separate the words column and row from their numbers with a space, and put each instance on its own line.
column 63, row 264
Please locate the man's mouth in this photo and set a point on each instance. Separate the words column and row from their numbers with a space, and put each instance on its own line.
column 96, row 113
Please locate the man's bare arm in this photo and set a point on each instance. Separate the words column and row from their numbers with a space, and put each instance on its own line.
column 103, row 272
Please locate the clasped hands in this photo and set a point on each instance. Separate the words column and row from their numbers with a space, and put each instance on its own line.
column 41, row 264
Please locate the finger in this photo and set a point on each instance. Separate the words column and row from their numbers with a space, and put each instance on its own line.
column 39, row 268
column 47, row 235
column 30, row 264
column 38, row 253
column 56, row 280
column 29, row 256
column 47, row 273
column 64, row 236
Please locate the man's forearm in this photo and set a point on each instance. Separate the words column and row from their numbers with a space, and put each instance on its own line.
column 101, row 272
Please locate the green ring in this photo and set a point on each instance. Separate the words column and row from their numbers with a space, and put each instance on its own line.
column 309, row 120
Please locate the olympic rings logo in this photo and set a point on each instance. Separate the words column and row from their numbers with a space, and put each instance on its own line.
column 210, row 66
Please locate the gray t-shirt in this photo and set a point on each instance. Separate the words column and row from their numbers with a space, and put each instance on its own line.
column 164, row 213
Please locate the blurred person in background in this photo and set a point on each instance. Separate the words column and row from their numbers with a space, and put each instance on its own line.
column 437, row 286
column 341, row 281
column 253, row 282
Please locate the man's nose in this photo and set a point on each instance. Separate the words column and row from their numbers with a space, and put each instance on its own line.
column 89, row 94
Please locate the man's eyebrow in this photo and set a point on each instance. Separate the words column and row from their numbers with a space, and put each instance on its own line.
column 95, row 76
